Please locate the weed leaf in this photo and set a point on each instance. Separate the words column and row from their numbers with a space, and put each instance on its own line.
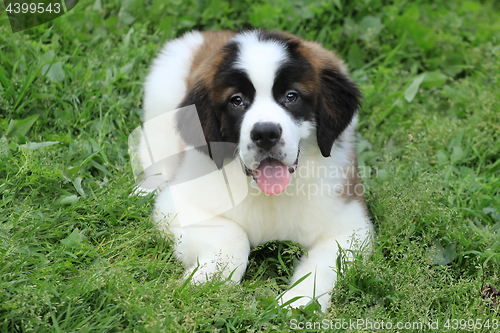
column 355, row 57
column 457, row 155
column 443, row 256
column 20, row 127
column 442, row 157
column 74, row 239
column 78, row 186
column 53, row 70
column 412, row 90
column 69, row 200
column 434, row 79
column 369, row 27
column 38, row 145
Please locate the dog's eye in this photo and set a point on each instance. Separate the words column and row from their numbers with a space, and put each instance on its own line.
column 291, row 97
column 237, row 101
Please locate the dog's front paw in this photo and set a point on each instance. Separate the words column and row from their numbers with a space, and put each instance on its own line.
column 199, row 274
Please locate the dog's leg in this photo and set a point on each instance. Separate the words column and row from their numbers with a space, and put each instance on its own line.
column 217, row 246
column 320, row 264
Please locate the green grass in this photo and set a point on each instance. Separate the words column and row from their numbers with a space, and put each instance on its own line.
column 77, row 253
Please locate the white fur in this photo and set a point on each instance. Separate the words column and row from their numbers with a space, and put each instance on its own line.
column 165, row 87
column 221, row 244
column 164, row 90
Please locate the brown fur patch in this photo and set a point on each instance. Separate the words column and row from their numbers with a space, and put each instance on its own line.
column 220, row 96
column 199, row 89
column 205, row 59
column 321, row 58
column 308, row 87
column 310, row 83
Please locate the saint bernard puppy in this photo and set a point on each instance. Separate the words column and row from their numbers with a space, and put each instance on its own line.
column 273, row 116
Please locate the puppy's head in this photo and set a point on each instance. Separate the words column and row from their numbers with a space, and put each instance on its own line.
column 265, row 92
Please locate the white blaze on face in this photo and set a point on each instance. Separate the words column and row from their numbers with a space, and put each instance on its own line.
column 260, row 60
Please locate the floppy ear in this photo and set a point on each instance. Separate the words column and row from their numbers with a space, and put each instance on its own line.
column 338, row 101
column 188, row 122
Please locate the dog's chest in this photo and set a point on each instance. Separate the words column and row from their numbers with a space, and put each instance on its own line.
column 297, row 216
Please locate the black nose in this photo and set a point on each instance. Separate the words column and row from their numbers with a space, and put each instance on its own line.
column 266, row 135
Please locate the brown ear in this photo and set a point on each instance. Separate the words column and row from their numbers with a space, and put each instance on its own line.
column 188, row 122
column 339, row 100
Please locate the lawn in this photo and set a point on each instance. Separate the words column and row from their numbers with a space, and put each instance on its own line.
column 78, row 253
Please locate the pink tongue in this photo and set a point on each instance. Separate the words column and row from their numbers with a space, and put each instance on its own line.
column 272, row 176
